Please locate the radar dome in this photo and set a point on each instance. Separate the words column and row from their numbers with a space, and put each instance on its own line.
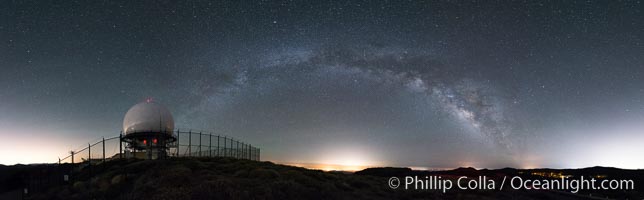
column 149, row 117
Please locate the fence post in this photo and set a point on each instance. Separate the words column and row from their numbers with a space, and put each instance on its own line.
column 103, row 150
column 237, row 149
column 190, row 143
column 178, row 144
column 89, row 159
column 225, row 154
column 218, row 149
column 232, row 147
column 59, row 160
column 210, row 146
column 121, row 145
column 72, row 152
column 199, row 144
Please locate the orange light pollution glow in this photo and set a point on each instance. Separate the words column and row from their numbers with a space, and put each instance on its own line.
column 348, row 158
column 330, row 167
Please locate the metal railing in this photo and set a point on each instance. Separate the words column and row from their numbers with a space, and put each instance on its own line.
column 188, row 144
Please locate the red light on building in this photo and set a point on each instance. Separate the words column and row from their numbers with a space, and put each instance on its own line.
column 145, row 142
column 154, row 141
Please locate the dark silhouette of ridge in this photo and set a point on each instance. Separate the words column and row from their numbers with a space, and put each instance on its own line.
column 226, row 178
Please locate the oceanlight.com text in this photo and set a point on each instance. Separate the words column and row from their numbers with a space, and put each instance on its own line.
column 572, row 185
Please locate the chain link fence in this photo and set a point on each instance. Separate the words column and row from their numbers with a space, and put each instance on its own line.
column 188, row 144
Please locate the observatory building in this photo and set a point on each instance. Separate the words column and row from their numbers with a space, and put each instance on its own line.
column 148, row 130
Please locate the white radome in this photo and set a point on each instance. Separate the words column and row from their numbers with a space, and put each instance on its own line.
column 148, row 117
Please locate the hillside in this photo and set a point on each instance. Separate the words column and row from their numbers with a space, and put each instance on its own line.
column 223, row 178
column 208, row 178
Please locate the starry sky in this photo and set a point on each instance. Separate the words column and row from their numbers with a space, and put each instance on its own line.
column 434, row 84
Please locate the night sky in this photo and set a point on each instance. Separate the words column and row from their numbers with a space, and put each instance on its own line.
column 374, row 83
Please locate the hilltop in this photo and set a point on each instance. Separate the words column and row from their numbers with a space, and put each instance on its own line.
column 226, row 178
